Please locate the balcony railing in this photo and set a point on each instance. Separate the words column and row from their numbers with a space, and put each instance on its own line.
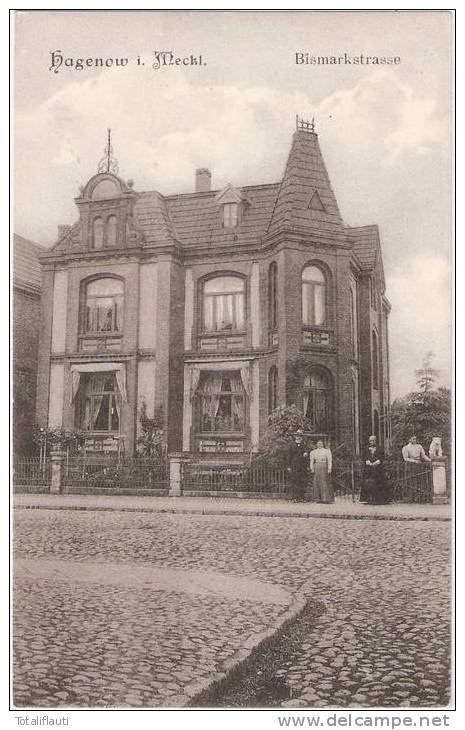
column 317, row 336
column 100, row 343
column 221, row 342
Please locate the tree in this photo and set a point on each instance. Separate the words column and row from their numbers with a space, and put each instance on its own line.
column 283, row 422
column 425, row 414
column 426, row 375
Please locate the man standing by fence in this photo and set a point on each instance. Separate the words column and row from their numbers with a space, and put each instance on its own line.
column 298, row 468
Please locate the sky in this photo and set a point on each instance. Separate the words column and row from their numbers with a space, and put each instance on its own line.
column 385, row 131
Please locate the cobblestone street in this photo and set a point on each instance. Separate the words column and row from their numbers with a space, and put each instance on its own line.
column 138, row 609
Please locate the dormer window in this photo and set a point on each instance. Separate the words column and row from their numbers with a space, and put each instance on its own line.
column 230, row 215
column 232, row 204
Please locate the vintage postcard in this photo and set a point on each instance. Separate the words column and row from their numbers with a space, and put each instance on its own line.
column 232, row 457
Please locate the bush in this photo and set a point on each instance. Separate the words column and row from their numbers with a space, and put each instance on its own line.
column 282, row 426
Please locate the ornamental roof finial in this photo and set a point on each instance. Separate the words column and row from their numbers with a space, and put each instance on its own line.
column 108, row 163
column 303, row 125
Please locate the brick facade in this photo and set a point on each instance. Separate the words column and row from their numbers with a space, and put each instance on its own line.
column 26, row 327
column 188, row 327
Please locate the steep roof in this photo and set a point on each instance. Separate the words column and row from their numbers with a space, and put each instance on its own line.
column 196, row 220
column 26, row 266
column 367, row 249
column 153, row 219
column 303, row 202
column 366, row 245
column 306, row 199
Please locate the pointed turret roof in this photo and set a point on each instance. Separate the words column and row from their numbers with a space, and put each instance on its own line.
column 306, row 199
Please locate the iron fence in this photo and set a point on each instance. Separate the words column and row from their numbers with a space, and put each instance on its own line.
column 223, row 478
column 346, row 479
column 31, row 474
column 115, row 475
column 411, row 483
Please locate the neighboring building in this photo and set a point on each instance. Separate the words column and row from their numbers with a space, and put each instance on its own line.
column 26, row 326
column 215, row 307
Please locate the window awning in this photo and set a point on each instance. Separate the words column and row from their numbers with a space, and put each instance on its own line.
column 244, row 371
column 118, row 368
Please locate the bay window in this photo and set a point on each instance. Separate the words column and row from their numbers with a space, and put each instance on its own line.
column 220, row 403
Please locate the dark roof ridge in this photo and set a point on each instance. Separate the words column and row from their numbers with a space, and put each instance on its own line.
column 367, row 225
column 206, row 193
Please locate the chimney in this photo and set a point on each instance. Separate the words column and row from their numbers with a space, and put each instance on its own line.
column 203, row 179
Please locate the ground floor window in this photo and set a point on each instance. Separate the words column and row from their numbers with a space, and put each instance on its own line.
column 220, row 403
column 376, row 424
column 272, row 389
column 99, row 403
column 318, row 401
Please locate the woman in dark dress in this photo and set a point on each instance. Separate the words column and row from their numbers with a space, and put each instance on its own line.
column 374, row 488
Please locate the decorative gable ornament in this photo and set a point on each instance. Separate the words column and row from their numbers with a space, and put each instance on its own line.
column 106, row 216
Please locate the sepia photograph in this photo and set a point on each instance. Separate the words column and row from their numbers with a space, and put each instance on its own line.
column 232, row 458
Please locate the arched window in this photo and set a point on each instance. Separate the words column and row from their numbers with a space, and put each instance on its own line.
column 272, row 296
column 386, row 425
column 224, row 304
column 111, row 231
column 220, row 403
column 354, row 405
column 353, row 320
column 313, row 296
column 374, row 359
column 318, row 400
column 376, row 424
column 272, row 388
column 103, row 306
column 97, row 233
column 373, row 293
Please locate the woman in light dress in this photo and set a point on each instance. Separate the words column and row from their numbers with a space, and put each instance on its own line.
column 321, row 464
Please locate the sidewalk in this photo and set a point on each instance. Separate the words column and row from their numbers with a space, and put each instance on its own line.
column 233, row 506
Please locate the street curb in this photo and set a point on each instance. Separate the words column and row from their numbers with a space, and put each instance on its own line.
column 236, row 512
column 240, row 660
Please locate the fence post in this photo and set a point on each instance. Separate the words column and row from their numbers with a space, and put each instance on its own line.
column 57, row 458
column 175, row 475
column 439, row 480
